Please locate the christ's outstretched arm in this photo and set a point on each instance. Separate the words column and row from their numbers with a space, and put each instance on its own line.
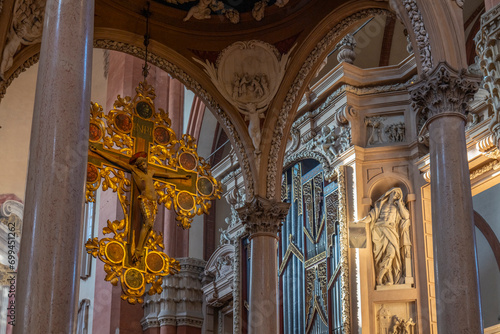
column 110, row 158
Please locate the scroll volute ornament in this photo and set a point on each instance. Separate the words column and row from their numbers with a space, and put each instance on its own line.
column 444, row 90
column 263, row 215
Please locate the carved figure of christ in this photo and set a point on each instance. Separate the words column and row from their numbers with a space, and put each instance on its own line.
column 144, row 177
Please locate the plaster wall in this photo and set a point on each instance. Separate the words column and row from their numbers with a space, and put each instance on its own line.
column 16, row 113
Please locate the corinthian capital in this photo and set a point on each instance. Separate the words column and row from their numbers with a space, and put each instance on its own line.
column 263, row 216
column 444, row 91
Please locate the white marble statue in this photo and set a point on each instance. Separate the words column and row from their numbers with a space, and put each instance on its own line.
column 389, row 224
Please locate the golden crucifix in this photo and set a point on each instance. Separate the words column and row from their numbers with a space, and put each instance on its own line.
column 133, row 137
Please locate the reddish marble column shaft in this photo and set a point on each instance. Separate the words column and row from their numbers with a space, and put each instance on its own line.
column 263, row 285
column 488, row 4
column 263, row 218
column 49, row 257
column 169, row 329
column 457, row 291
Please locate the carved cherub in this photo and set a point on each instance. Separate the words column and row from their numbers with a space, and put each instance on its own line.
column 200, row 11
column 326, row 141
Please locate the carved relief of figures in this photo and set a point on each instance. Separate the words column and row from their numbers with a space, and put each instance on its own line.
column 376, row 124
column 402, row 326
column 333, row 142
column 200, row 11
column 389, row 222
column 384, row 320
column 259, row 9
column 326, row 141
column 26, row 29
column 250, row 86
column 204, row 8
column 396, row 132
column 253, row 116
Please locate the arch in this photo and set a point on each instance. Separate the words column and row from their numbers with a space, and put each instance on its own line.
column 197, row 88
column 379, row 185
column 409, row 11
column 285, row 117
column 31, row 57
column 489, row 235
column 307, row 154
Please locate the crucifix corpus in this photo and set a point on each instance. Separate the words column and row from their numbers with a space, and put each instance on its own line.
column 136, row 138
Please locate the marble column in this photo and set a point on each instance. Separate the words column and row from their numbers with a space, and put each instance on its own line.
column 48, row 276
column 444, row 94
column 263, row 219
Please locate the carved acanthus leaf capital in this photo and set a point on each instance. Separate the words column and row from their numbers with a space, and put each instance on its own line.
column 444, row 90
column 263, row 215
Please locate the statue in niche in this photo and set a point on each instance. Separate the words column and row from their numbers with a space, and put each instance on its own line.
column 376, row 134
column 390, row 230
column 384, row 320
column 253, row 116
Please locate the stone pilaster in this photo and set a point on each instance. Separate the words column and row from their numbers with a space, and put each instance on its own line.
column 444, row 94
column 488, row 50
column 263, row 219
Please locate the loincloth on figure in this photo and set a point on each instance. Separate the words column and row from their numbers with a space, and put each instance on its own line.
column 149, row 208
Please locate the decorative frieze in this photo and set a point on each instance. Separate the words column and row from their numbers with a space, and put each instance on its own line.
column 444, row 91
column 263, row 216
column 421, row 35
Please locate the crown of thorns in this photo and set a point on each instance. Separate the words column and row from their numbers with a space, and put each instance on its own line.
column 136, row 156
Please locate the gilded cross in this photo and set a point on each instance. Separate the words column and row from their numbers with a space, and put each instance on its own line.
column 134, row 137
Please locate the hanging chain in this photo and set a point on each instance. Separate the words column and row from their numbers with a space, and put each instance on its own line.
column 146, row 13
